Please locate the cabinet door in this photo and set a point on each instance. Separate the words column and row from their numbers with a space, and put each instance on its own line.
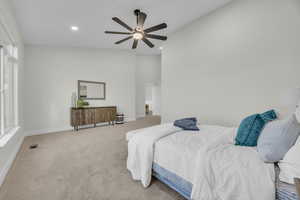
column 99, row 115
column 112, row 113
column 107, row 114
column 88, row 116
column 76, row 117
column 81, row 117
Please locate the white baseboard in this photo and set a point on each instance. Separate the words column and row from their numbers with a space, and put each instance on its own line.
column 10, row 160
column 54, row 130
column 47, row 130
column 140, row 116
column 130, row 119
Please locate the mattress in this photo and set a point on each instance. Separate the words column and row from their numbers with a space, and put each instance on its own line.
column 174, row 181
column 284, row 191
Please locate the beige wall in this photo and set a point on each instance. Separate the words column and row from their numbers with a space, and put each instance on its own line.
column 51, row 77
column 236, row 61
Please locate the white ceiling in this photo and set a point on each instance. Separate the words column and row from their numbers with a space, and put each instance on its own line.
column 47, row 22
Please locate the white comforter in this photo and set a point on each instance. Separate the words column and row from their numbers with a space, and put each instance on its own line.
column 140, row 150
column 184, row 146
column 221, row 169
column 230, row 172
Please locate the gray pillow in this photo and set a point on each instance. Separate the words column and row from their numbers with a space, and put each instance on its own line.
column 277, row 138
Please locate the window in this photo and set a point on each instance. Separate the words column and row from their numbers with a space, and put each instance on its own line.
column 8, row 90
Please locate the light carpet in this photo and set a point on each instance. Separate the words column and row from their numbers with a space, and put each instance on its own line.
column 86, row 165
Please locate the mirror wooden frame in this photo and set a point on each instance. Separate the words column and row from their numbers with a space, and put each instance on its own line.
column 94, row 82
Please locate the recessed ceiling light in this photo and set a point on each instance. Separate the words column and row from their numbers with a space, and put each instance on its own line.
column 161, row 48
column 74, row 28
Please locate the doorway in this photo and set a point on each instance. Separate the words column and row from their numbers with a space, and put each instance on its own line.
column 153, row 99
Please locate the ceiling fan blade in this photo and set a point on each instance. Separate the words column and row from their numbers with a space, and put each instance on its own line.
column 123, row 40
column 122, row 23
column 148, row 42
column 141, row 19
column 158, row 37
column 119, row 33
column 155, row 28
column 135, row 43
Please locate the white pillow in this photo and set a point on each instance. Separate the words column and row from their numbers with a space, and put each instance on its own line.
column 290, row 165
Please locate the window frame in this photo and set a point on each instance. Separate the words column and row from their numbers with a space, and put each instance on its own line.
column 9, row 55
column 1, row 90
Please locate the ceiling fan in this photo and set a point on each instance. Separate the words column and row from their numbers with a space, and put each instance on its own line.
column 139, row 33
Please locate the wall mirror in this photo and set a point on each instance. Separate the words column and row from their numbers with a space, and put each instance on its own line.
column 91, row 90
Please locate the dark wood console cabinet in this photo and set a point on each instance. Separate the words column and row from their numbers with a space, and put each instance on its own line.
column 92, row 116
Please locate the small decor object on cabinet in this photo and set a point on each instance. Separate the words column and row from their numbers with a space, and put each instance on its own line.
column 120, row 119
column 74, row 100
column 81, row 103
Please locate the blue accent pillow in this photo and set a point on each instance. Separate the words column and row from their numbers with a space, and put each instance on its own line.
column 269, row 115
column 251, row 127
column 277, row 138
column 187, row 124
column 249, row 130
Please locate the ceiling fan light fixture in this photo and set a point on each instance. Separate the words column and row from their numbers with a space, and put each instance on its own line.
column 74, row 28
column 138, row 36
column 139, row 33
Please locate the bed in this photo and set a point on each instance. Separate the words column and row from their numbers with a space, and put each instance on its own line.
column 177, row 171
column 284, row 191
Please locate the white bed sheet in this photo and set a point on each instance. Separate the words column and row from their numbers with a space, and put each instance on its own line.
column 177, row 152
column 141, row 152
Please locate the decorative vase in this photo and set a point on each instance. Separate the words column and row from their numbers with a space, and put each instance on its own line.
column 74, row 99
